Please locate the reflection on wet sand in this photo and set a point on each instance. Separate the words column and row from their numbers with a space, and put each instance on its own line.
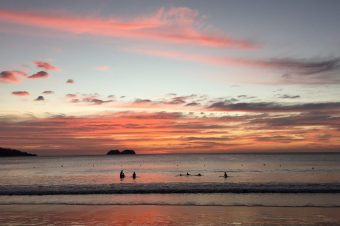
column 164, row 215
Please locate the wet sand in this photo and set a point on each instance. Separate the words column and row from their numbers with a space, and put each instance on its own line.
column 165, row 215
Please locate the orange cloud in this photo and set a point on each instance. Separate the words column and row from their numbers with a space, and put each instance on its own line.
column 172, row 25
column 20, row 93
column 171, row 132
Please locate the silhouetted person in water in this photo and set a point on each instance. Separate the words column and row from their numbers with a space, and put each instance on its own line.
column 134, row 175
column 188, row 174
column 122, row 175
column 199, row 174
column 225, row 175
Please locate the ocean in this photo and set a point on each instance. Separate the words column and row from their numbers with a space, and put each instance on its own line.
column 254, row 181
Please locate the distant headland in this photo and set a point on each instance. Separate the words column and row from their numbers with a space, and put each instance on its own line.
column 9, row 152
column 117, row 152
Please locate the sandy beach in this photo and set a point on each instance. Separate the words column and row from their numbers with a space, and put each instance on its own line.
column 164, row 215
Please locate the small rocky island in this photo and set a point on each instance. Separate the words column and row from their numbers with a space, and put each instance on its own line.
column 117, row 152
column 9, row 152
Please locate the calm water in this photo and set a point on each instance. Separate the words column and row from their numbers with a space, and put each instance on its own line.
column 261, row 189
column 241, row 168
column 254, row 180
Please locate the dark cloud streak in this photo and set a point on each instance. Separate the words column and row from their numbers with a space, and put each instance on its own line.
column 274, row 107
column 40, row 74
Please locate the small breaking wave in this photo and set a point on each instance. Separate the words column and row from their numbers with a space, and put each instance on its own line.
column 169, row 188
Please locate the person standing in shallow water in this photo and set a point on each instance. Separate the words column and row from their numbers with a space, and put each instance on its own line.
column 134, row 175
column 225, row 175
column 122, row 175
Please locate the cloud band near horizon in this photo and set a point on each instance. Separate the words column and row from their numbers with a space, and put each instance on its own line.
column 261, row 126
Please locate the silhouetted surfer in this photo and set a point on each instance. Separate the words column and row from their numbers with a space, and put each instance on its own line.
column 225, row 175
column 122, row 175
column 134, row 175
column 188, row 174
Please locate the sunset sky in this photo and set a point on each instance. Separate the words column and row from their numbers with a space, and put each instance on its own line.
column 84, row 76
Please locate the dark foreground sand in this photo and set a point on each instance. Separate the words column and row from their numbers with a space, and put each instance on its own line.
column 165, row 215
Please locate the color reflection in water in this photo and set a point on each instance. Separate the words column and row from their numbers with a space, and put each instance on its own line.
column 165, row 215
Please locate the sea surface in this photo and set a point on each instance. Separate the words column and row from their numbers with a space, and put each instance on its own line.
column 253, row 180
column 241, row 168
column 261, row 189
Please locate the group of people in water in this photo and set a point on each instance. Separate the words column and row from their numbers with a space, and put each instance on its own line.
column 188, row 174
column 122, row 175
column 134, row 176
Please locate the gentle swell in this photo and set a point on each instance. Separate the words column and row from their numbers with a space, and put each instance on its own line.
column 169, row 188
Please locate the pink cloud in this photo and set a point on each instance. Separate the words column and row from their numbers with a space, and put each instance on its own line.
column 103, row 68
column 20, row 93
column 173, row 25
column 11, row 76
column 290, row 65
column 206, row 59
column 45, row 65
column 40, row 74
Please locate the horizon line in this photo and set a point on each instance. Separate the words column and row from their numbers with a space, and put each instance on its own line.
column 194, row 153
